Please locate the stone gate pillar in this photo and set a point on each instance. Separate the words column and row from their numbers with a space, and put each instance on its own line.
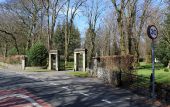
column 23, row 62
column 76, row 58
column 84, row 61
column 49, row 62
column 56, row 62
column 75, row 61
column 55, row 53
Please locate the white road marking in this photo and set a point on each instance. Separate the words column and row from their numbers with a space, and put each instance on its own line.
column 33, row 77
column 43, row 80
column 84, row 94
column 118, row 101
column 127, row 98
column 52, row 83
column 104, row 100
column 30, row 76
column 33, row 102
column 66, row 88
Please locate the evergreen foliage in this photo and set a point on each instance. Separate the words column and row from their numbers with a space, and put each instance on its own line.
column 163, row 47
column 59, row 39
column 12, row 51
column 37, row 55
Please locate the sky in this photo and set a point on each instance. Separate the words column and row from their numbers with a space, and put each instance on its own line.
column 81, row 21
column 2, row 0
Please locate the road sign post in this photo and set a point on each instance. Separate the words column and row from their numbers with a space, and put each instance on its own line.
column 153, row 33
column 153, row 71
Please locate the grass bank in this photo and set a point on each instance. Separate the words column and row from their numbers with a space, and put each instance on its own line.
column 162, row 75
column 79, row 74
column 36, row 69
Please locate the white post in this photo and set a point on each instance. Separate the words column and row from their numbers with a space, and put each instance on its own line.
column 56, row 63
column 168, row 65
column 75, row 61
column 84, row 61
column 49, row 66
column 23, row 64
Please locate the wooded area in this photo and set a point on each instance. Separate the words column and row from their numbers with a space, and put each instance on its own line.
column 114, row 27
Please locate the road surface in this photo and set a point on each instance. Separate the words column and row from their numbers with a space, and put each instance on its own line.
column 57, row 89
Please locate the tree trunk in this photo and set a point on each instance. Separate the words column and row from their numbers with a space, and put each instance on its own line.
column 48, row 22
column 122, row 36
column 16, row 45
column 120, row 27
column 66, row 44
column 92, row 49
column 6, row 50
column 130, row 25
column 67, row 34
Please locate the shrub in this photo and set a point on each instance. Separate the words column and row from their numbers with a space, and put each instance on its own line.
column 37, row 55
column 162, row 52
column 12, row 51
column 166, row 70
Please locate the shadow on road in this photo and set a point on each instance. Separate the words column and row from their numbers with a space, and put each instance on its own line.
column 71, row 92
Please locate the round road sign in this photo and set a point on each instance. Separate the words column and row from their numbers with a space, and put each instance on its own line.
column 152, row 32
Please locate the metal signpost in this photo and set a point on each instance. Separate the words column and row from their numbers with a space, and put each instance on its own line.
column 153, row 33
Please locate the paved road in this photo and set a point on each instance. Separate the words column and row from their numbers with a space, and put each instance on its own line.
column 57, row 89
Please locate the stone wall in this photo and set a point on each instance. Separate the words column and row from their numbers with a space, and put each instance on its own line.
column 109, row 68
column 15, row 59
column 104, row 74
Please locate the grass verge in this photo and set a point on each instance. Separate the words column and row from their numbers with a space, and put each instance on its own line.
column 160, row 75
column 2, row 65
column 34, row 69
column 79, row 74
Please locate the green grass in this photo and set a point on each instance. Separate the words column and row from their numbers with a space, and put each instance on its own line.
column 143, row 65
column 79, row 74
column 2, row 64
column 160, row 75
column 69, row 66
column 34, row 69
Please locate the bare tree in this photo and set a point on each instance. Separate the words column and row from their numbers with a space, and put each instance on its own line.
column 72, row 9
column 139, row 29
column 32, row 8
column 131, row 19
column 93, row 13
column 120, row 9
column 4, row 44
column 52, row 7
column 9, row 29
column 128, row 15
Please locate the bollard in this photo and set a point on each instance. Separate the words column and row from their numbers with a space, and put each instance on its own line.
column 23, row 63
